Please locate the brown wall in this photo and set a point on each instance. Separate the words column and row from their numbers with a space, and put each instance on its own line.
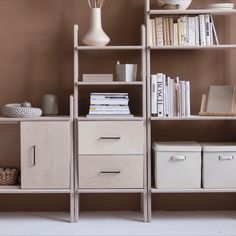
column 36, row 57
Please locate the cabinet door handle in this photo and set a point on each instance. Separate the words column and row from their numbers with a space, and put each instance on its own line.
column 109, row 138
column 110, row 172
column 178, row 158
column 34, row 156
column 226, row 158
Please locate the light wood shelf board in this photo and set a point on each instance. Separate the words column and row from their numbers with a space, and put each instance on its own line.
column 192, row 12
column 109, row 83
column 110, row 190
column 193, row 118
column 193, row 190
column 200, row 47
column 42, row 118
column 131, row 47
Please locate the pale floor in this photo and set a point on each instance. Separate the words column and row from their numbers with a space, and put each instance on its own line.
column 120, row 223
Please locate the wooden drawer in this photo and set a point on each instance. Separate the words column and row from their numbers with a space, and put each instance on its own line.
column 111, row 171
column 110, row 137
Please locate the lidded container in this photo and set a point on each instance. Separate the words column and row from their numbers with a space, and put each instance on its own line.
column 177, row 165
column 219, row 165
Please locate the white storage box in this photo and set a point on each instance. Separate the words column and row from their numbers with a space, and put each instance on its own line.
column 177, row 165
column 219, row 165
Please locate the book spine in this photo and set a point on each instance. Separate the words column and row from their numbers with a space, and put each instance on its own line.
column 172, row 102
column 197, row 33
column 154, row 95
column 191, row 31
column 214, row 31
column 159, row 31
column 202, row 25
column 180, row 31
column 185, row 30
column 160, row 97
column 183, row 99
column 178, row 98
column 187, row 97
column 176, row 40
column 208, row 33
column 171, row 23
column 168, row 30
column 154, row 32
column 164, row 93
column 150, row 33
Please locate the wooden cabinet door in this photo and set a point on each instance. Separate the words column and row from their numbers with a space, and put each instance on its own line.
column 45, row 154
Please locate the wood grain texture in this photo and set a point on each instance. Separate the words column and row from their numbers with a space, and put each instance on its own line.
column 110, row 137
column 127, row 171
column 51, row 166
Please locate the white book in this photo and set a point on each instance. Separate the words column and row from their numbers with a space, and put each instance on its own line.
column 154, row 95
column 202, row 26
column 172, row 102
column 166, row 101
column 180, row 31
column 108, row 108
column 109, row 102
column 211, row 34
column 208, row 31
column 154, row 32
column 169, row 96
column 183, row 99
column 159, row 31
column 109, row 112
column 178, row 98
column 214, row 31
column 160, row 95
column 150, row 33
column 197, row 33
column 187, row 97
column 109, row 95
column 191, row 31
column 164, row 93
column 176, row 41
column 185, row 30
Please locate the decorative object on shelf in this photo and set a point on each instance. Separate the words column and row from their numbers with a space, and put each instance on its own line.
column 8, row 176
column 95, row 36
column 126, row 72
column 25, row 104
column 15, row 110
column 220, row 101
column 97, row 78
column 174, row 4
column 49, row 105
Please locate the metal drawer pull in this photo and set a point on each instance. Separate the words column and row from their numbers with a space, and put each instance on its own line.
column 34, row 156
column 110, row 172
column 109, row 138
column 226, row 158
column 178, row 158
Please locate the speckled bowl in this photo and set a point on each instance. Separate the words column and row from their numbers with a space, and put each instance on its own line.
column 14, row 110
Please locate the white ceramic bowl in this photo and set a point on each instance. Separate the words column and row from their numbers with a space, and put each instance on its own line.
column 14, row 110
column 183, row 4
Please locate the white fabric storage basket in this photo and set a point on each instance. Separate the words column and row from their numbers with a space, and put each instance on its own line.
column 219, row 165
column 177, row 165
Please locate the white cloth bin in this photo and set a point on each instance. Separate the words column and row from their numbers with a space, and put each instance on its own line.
column 177, row 165
column 219, row 165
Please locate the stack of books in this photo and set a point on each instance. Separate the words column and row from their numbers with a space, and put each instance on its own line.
column 170, row 97
column 109, row 104
column 183, row 31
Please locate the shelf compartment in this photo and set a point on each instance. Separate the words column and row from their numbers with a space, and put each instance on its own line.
column 135, row 83
column 200, row 47
column 192, row 12
column 131, row 47
column 154, row 190
column 193, row 118
column 111, row 190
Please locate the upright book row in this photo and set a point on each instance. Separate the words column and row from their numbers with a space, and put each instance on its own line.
column 183, row 31
column 170, row 97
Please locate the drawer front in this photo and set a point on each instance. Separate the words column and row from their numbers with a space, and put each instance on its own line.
column 219, row 170
column 111, row 171
column 110, row 137
column 178, row 170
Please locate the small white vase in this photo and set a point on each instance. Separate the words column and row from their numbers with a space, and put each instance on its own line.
column 95, row 36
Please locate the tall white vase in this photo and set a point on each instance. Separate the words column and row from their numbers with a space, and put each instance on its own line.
column 95, row 36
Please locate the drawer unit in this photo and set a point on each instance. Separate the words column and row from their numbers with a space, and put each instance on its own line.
column 110, row 137
column 219, row 165
column 177, row 165
column 111, row 171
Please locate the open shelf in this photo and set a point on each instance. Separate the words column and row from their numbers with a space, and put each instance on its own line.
column 154, row 190
column 111, row 190
column 109, row 83
column 193, row 12
column 195, row 118
column 200, row 47
column 131, row 47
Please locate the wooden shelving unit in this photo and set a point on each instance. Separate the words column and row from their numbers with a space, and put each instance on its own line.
column 152, row 121
column 138, row 118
